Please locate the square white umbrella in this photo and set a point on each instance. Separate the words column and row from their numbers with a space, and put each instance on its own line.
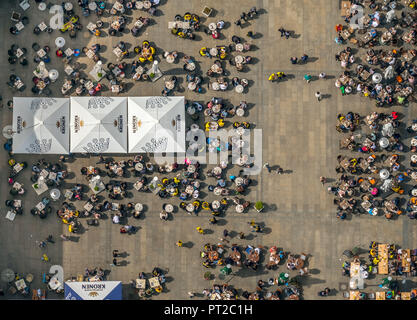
column 98, row 125
column 41, row 125
column 156, row 124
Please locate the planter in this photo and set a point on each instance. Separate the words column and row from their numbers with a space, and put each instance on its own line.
column 259, row 206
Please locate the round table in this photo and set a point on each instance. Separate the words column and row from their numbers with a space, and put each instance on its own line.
column 7, row 275
column 60, row 42
column 92, row 6
column 239, row 88
column 215, row 68
column 194, row 127
column 8, row 131
column 139, row 5
column 239, row 181
column 377, row 78
column 239, row 47
column 53, row 74
column 240, row 112
column 384, row 174
column 138, row 207
column 190, row 66
column 239, row 208
column 189, row 207
column 214, row 51
column 384, row 143
column 169, row 208
column 217, row 171
column 170, row 58
column 139, row 166
column 212, row 26
column 189, row 190
column 191, row 168
column 147, row 4
column 239, row 59
column 216, row 108
column 169, row 85
column 215, row 205
column 68, row 6
column 217, row 191
column 414, row 158
column 192, row 86
column 42, row 6
column 55, row 194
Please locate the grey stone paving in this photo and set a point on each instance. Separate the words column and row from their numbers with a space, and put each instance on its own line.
column 298, row 134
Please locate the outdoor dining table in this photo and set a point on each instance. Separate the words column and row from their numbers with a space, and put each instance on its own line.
column 89, row 85
column 138, row 185
column 118, row 52
column 215, row 68
column 189, row 207
column 235, row 256
column 19, row 53
column 138, row 207
column 213, row 255
column 240, row 112
column 406, row 260
column 140, row 284
column 239, row 88
column 41, row 53
column 115, row 206
column 215, row 205
column 117, row 190
column 405, row 296
column 365, row 75
column 354, row 295
column 88, row 206
column 10, row 215
column 139, row 166
column 169, row 208
column 380, row 295
column 52, row 175
column 239, row 47
column 191, row 168
column 154, row 282
column 68, row 70
column 42, row 26
column 239, row 59
column 40, row 206
column 20, row 26
column 214, row 52
column 239, row 208
column 217, row 191
column 92, row 6
column 170, row 85
column 20, row 284
column 91, row 26
column 90, row 53
column 189, row 189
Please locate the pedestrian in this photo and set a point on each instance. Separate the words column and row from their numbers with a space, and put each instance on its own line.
column 115, row 253
column 322, row 75
column 318, row 96
column 200, row 230
column 323, row 180
column 42, row 244
column 64, row 237
column 179, row 243
column 243, row 16
column 287, row 34
column 266, row 166
column 250, row 35
column 294, row 60
column 225, row 233
column 304, row 58
column 190, row 294
column 279, row 170
column 213, row 220
column 282, row 30
column 49, row 239
column 241, row 235
column 115, row 263
column 45, row 258
column 101, row 159
column 307, row 78
column 272, row 77
column 238, row 23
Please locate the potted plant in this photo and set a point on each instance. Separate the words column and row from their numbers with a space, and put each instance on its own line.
column 99, row 74
column 259, row 206
column 152, row 75
column 95, row 188
column 36, row 186
column 207, row 275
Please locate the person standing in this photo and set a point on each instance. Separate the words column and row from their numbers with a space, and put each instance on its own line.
column 307, row 78
column 279, row 170
column 250, row 35
column 282, row 30
column 179, row 243
column 322, row 75
column 266, row 166
column 294, row 60
column 200, row 230
column 323, row 180
column 318, row 96
column 304, row 58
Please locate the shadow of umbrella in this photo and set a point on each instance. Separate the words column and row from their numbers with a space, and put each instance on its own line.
column 7, row 275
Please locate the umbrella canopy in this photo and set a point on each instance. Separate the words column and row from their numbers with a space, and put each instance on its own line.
column 7, row 275
column 40, row 125
column 156, row 124
column 98, row 124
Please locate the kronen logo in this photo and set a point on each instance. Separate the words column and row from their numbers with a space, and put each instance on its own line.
column 93, row 287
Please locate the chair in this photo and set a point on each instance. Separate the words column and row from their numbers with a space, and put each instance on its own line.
column 346, row 294
column 15, row 16
column 24, row 5
column 36, row 46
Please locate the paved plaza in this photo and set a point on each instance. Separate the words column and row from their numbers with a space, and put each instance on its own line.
column 298, row 134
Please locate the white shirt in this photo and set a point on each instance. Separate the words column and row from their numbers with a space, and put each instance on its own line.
column 116, row 219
